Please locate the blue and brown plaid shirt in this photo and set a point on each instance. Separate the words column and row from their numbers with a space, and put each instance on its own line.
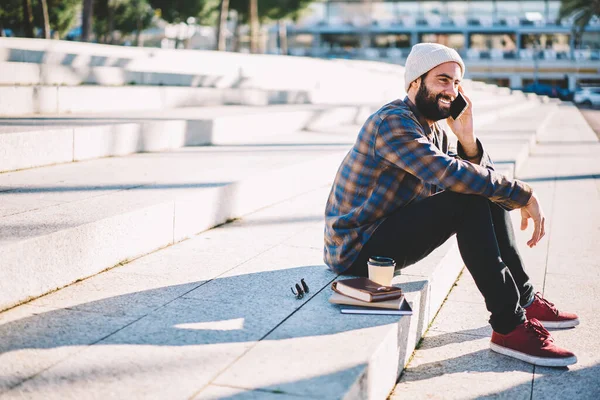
column 398, row 159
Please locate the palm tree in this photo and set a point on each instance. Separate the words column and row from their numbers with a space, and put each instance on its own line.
column 254, row 26
column 582, row 12
column 86, row 19
column 28, row 18
column 222, row 24
column 46, row 19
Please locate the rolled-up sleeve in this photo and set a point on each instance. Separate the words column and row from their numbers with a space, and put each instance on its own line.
column 401, row 142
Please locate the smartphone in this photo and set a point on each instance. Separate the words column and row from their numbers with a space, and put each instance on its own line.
column 458, row 106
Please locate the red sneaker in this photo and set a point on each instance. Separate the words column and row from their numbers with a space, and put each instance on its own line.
column 545, row 312
column 532, row 343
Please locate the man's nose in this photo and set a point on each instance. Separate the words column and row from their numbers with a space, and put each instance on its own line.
column 451, row 91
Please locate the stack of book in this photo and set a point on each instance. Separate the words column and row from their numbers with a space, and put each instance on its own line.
column 363, row 296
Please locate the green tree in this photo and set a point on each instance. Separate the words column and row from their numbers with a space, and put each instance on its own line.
column 125, row 16
column 582, row 12
column 11, row 16
column 280, row 10
column 63, row 15
column 180, row 10
column 271, row 10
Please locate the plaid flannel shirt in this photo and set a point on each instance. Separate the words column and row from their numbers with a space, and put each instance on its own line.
column 397, row 160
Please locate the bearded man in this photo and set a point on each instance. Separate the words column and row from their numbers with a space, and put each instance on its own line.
column 400, row 193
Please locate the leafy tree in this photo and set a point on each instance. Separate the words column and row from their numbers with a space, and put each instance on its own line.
column 271, row 10
column 175, row 11
column 11, row 15
column 582, row 12
column 279, row 10
column 62, row 15
column 125, row 16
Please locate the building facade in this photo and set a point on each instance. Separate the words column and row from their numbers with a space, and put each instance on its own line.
column 511, row 43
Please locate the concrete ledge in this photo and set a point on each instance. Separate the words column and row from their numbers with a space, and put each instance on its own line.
column 104, row 231
column 48, row 141
column 354, row 357
column 28, row 100
column 330, row 80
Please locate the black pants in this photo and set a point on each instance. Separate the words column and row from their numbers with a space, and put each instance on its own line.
column 486, row 242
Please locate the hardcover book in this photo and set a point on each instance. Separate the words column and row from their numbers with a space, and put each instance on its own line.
column 366, row 290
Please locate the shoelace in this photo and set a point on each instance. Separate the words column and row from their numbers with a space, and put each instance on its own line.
column 547, row 303
column 534, row 326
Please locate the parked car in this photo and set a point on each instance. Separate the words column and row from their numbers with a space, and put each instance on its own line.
column 548, row 90
column 587, row 96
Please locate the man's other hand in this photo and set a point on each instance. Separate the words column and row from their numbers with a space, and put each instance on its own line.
column 463, row 127
column 533, row 210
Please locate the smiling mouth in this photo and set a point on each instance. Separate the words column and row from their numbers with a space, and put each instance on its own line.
column 445, row 102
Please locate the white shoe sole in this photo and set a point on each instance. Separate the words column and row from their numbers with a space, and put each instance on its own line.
column 560, row 324
column 541, row 361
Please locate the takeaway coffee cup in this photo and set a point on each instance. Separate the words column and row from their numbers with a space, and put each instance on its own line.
column 381, row 270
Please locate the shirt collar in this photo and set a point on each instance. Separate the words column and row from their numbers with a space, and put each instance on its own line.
column 426, row 127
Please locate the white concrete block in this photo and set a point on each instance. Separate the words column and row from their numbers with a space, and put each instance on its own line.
column 106, row 140
column 44, row 263
column 100, row 99
column 19, row 100
column 27, row 149
column 19, row 73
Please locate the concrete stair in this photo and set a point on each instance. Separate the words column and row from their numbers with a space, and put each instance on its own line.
column 212, row 316
column 44, row 203
column 66, row 222
column 33, row 141
column 190, row 311
column 28, row 142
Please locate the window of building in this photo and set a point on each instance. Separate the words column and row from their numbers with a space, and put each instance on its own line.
column 590, row 40
column 454, row 40
column 301, row 40
column 557, row 41
column 346, row 41
column 391, row 41
column 499, row 41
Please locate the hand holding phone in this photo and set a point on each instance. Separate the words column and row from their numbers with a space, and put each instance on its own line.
column 461, row 123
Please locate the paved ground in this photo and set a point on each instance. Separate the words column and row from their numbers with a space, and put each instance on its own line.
column 454, row 360
column 592, row 116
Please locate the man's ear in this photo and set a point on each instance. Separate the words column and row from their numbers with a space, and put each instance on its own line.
column 416, row 83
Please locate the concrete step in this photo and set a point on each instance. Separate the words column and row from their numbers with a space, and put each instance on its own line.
column 28, row 142
column 28, row 100
column 33, row 142
column 207, row 311
column 327, row 81
column 120, row 208
column 123, row 207
column 28, row 73
column 195, row 319
column 70, row 221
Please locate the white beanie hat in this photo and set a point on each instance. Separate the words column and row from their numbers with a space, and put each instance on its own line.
column 426, row 56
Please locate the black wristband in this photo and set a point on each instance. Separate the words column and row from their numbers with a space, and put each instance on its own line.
column 479, row 155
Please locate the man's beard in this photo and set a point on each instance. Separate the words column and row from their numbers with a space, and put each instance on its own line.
column 428, row 104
